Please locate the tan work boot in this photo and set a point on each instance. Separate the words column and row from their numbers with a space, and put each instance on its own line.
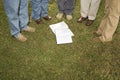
column 29, row 29
column 68, row 17
column 21, row 37
column 59, row 16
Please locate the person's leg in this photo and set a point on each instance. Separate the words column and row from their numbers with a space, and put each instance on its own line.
column 23, row 17
column 23, row 14
column 44, row 7
column 111, row 22
column 106, row 6
column 11, row 8
column 44, row 12
column 102, row 25
column 61, row 7
column 104, row 20
column 85, row 4
column 92, row 12
column 36, row 9
column 110, row 28
column 69, row 7
column 93, row 9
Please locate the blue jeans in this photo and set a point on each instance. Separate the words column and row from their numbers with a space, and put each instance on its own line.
column 39, row 8
column 17, row 12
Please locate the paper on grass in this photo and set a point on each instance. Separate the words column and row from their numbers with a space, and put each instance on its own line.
column 64, row 39
column 62, row 32
column 58, row 26
column 64, row 36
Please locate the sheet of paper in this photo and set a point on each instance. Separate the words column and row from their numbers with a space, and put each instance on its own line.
column 64, row 39
column 61, row 32
column 60, row 25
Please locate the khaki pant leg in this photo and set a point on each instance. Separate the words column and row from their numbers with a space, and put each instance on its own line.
column 103, row 22
column 111, row 21
column 102, row 25
column 106, row 6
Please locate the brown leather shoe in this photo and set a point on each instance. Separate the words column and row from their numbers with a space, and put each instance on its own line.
column 47, row 18
column 81, row 19
column 39, row 21
column 89, row 22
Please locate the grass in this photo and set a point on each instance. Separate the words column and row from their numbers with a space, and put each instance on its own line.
column 40, row 58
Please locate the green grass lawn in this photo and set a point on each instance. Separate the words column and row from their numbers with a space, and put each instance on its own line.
column 40, row 58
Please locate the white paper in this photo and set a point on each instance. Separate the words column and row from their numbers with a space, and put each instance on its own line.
column 64, row 39
column 62, row 32
column 61, row 25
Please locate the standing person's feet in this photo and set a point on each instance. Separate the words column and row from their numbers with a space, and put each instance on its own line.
column 89, row 22
column 29, row 29
column 39, row 21
column 59, row 16
column 47, row 18
column 69, row 17
column 81, row 19
column 21, row 37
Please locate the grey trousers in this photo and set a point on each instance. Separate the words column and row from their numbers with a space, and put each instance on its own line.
column 66, row 6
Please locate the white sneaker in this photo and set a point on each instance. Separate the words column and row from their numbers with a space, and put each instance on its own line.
column 69, row 17
column 59, row 15
column 29, row 29
column 21, row 37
